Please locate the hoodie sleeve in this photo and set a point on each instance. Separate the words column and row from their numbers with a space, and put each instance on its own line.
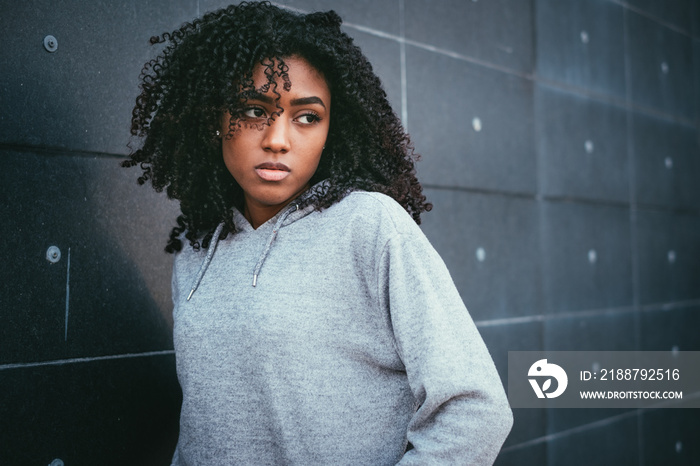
column 463, row 415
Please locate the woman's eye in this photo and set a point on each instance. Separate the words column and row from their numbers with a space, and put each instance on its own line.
column 254, row 112
column 308, row 118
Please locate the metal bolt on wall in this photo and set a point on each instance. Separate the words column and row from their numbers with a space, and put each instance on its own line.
column 53, row 254
column 50, row 43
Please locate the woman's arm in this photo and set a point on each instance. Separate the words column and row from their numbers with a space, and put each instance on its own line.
column 464, row 416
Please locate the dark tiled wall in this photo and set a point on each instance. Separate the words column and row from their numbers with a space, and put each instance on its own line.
column 87, row 373
column 560, row 148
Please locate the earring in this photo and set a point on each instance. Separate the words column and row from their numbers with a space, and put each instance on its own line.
column 218, row 133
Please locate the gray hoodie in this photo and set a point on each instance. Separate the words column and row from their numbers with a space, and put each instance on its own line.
column 330, row 338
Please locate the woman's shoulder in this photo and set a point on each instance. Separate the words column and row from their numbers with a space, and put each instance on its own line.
column 375, row 209
column 372, row 202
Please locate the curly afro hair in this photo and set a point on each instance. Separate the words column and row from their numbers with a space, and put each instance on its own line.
column 206, row 70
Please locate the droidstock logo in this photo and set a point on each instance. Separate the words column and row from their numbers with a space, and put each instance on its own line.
column 546, row 371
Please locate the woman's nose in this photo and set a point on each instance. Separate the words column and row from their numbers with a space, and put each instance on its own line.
column 276, row 137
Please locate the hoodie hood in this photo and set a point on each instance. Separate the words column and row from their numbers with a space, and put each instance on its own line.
column 295, row 210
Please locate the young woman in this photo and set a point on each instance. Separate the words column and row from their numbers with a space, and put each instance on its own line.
column 314, row 322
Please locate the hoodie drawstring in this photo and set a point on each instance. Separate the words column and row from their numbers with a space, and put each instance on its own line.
column 263, row 256
column 207, row 260
column 270, row 240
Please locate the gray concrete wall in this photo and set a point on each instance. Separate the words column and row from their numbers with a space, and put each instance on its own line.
column 560, row 149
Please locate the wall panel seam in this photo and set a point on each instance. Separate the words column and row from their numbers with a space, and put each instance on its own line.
column 60, row 362
column 655, row 19
column 652, row 307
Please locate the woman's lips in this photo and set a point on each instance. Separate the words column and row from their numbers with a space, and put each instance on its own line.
column 270, row 171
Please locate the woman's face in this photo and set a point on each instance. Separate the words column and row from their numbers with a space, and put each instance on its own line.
column 273, row 164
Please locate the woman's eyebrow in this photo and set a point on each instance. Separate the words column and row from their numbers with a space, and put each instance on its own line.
column 307, row 101
column 253, row 95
